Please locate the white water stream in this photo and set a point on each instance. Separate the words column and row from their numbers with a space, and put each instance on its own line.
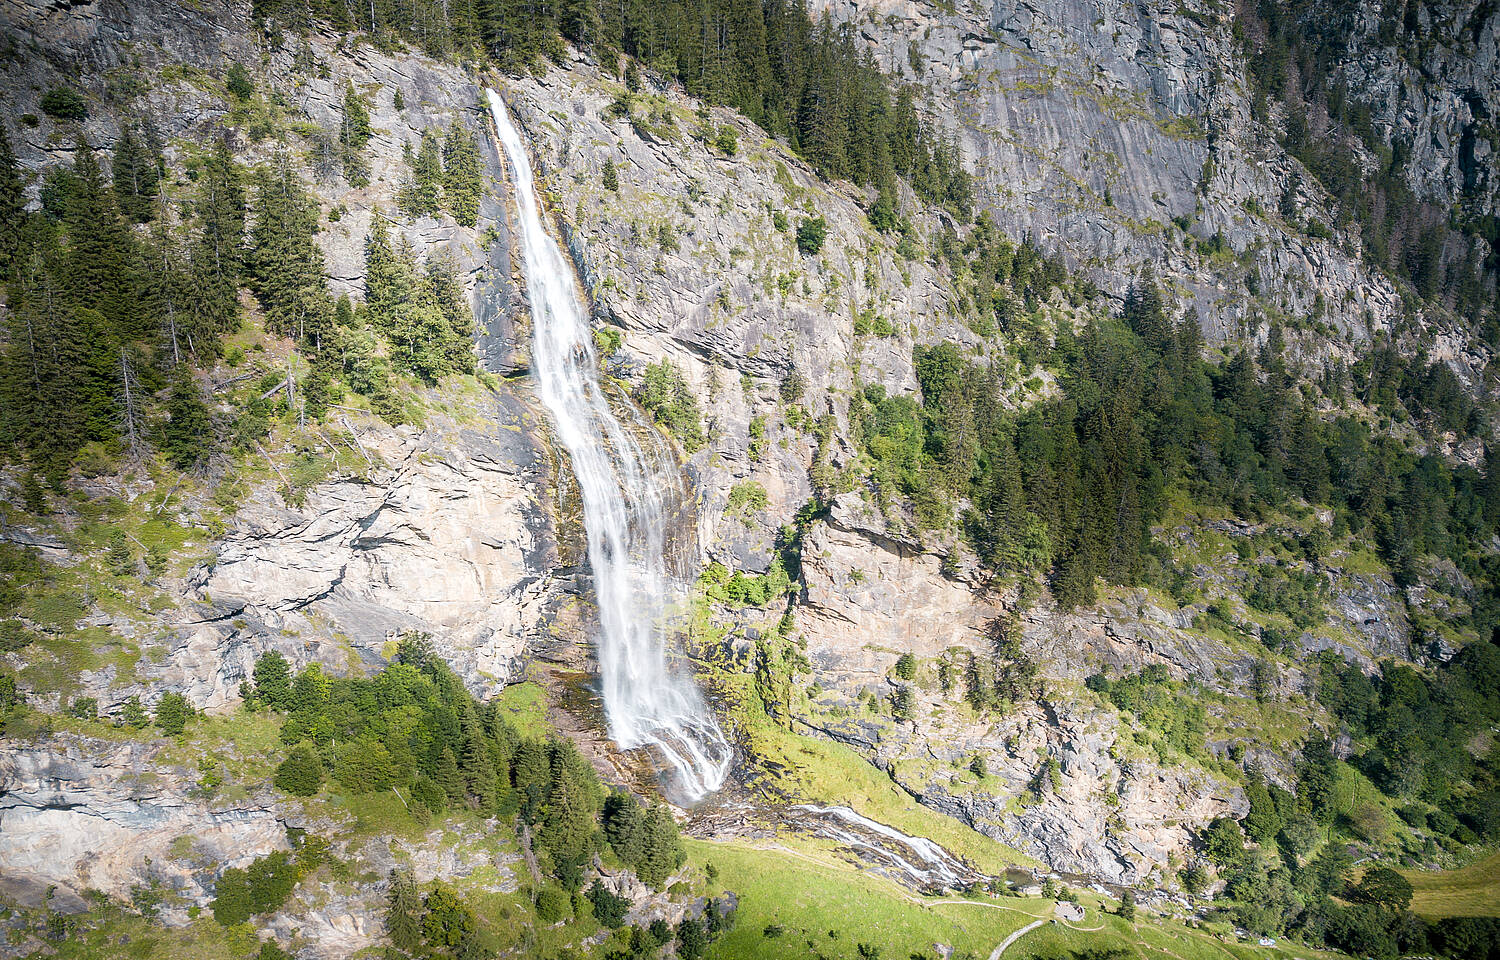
column 917, row 861
column 645, row 703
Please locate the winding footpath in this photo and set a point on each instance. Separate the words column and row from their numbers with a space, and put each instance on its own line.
column 995, row 954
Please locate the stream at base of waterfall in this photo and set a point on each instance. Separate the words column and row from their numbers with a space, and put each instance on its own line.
column 621, row 483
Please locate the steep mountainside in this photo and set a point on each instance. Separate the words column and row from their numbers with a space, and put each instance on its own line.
column 1122, row 135
column 1116, row 510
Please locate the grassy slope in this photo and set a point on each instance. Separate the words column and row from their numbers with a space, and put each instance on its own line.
column 794, row 768
column 807, row 893
column 1472, row 891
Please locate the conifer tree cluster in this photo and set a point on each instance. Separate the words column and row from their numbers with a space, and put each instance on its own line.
column 421, row 313
column 804, row 81
column 1071, row 486
column 102, row 313
column 354, row 134
column 1293, row 48
column 463, row 175
column 414, row 727
column 126, row 282
column 440, row 923
column 446, row 175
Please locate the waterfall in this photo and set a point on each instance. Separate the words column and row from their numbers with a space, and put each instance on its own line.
column 645, row 703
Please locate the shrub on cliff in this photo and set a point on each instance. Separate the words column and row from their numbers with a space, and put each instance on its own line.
column 665, row 393
column 244, row 892
column 173, row 713
column 301, row 773
column 810, row 235
column 65, row 103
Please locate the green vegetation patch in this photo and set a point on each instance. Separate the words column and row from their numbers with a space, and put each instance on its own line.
column 1471, row 891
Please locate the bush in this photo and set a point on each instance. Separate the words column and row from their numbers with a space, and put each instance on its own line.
column 903, row 703
column 364, row 765
column 665, row 393
column 301, row 773
column 906, row 667
column 1441, row 822
column 746, row 497
column 133, row 715
column 609, row 908
column 552, row 905
column 265, row 885
column 726, row 142
column 84, row 708
column 65, row 103
column 172, row 713
column 811, row 233
column 238, row 83
column 1223, row 841
column 273, row 680
column 1382, row 887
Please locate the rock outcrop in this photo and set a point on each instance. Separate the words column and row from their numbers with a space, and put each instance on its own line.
column 449, row 535
column 83, row 814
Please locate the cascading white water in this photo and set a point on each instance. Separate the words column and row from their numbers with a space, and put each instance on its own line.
column 918, row 861
column 645, row 703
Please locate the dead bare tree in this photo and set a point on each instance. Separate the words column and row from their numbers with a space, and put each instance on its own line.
column 132, row 417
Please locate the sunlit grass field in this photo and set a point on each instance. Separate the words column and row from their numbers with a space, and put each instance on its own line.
column 1472, row 891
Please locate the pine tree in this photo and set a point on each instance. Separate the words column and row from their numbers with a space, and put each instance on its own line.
column 119, row 557
column 419, row 196
column 448, row 778
column 132, row 405
column 354, row 134
column 44, row 387
column 568, row 817
column 388, row 280
column 188, row 437
column 456, row 346
column 661, row 848
column 1308, row 466
column 426, row 320
column 287, row 270
column 12, row 204
column 478, row 767
column 273, row 680
column 624, row 826
column 217, row 258
column 100, row 273
column 172, row 713
column 166, row 288
column 301, row 773
column 463, row 184
column 402, row 912
column 136, row 175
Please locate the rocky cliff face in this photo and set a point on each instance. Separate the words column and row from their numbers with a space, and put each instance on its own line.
column 442, row 529
column 83, row 815
column 1437, row 91
column 448, row 536
column 872, row 587
column 1123, row 135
